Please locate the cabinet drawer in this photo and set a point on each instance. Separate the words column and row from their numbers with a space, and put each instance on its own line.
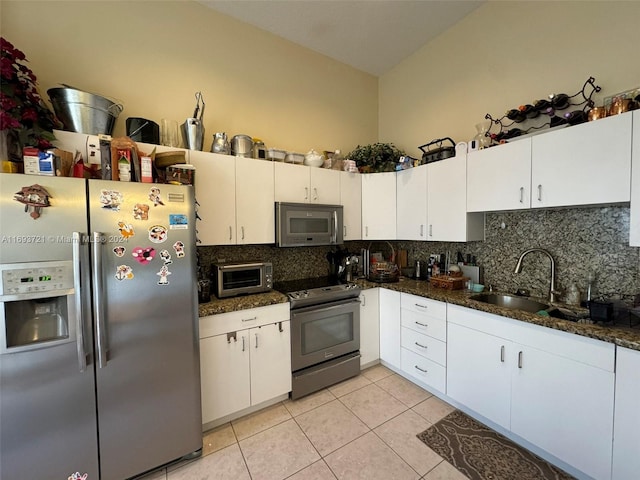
column 423, row 369
column 424, row 345
column 434, row 327
column 243, row 319
column 423, row 306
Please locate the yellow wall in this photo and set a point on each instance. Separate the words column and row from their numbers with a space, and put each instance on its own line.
column 154, row 56
column 505, row 54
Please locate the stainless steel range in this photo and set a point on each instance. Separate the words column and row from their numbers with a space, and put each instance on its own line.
column 325, row 332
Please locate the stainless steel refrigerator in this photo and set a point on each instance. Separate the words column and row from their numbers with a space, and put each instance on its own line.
column 99, row 359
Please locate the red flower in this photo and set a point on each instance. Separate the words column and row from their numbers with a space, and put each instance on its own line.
column 30, row 114
column 6, row 68
column 7, row 121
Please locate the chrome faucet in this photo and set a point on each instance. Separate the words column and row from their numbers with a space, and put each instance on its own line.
column 552, row 287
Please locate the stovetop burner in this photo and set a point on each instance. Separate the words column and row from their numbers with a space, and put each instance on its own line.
column 314, row 291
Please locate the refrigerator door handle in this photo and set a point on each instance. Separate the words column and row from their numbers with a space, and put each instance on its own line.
column 82, row 355
column 98, row 302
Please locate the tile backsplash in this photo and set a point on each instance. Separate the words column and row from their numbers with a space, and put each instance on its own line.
column 583, row 241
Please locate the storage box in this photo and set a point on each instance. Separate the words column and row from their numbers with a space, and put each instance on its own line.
column 448, row 282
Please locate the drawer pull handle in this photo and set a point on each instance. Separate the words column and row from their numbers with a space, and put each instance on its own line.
column 256, row 340
column 502, row 353
column 421, row 369
column 422, row 324
column 520, row 359
column 249, row 319
column 243, row 343
column 422, row 306
column 521, row 194
column 421, row 346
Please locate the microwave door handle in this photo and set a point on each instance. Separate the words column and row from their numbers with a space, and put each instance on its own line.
column 77, row 287
column 334, row 214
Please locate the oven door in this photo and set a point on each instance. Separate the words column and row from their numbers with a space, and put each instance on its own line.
column 323, row 332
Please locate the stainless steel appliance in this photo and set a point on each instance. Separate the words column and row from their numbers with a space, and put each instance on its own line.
column 99, row 360
column 239, row 278
column 303, row 224
column 325, row 332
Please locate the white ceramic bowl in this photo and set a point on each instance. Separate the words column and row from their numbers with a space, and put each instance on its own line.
column 314, row 161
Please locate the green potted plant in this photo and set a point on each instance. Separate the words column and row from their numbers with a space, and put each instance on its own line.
column 25, row 120
column 376, row 157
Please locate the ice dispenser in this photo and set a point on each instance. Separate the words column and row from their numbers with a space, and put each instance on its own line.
column 37, row 305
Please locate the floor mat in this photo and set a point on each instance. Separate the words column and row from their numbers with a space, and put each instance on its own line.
column 482, row 454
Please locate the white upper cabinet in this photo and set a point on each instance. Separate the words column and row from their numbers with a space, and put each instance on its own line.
column 582, row 165
column 379, row 206
column 351, row 200
column 302, row 184
column 236, row 197
column 411, row 208
column 216, row 195
column 634, row 239
column 448, row 220
column 255, row 211
column 499, row 178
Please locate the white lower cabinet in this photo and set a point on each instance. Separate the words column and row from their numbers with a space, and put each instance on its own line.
column 424, row 340
column 245, row 359
column 369, row 326
column 551, row 388
column 626, row 425
column 390, row 327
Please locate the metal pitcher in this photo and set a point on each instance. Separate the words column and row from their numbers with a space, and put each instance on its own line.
column 193, row 127
column 220, row 143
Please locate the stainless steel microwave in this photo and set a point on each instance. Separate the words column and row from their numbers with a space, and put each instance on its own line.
column 238, row 278
column 303, row 224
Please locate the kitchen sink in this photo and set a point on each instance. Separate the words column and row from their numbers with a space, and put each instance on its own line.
column 510, row 301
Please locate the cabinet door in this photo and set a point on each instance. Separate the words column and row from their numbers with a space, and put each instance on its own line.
column 292, row 183
column 351, row 200
column 411, row 207
column 224, row 372
column 390, row 327
column 478, row 375
column 582, row 165
column 634, row 227
column 369, row 326
column 499, row 178
column 564, row 407
column 626, row 429
column 216, row 194
column 379, row 206
column 447, row 203
column 325, row 186
column 270, row 361
column 255, row 218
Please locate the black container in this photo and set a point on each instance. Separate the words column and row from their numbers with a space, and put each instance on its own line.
column 601, row 311
column 143, row 130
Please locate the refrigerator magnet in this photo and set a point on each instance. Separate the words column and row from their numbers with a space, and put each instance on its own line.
column 166, row 257
column 124, row 272
column 141, row 211
column 179, row 248
column 111, row 199
column 34, row 197
column 178, row 221
column 157, row 233
column 144, row 255
column 164, row 275
column 119, row 251
column 78, row 476
column 154, row 196
column 126, row 229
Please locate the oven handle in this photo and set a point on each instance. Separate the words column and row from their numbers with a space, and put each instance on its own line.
column 324, row 307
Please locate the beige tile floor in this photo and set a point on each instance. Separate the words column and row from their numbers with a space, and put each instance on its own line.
column 363, row 428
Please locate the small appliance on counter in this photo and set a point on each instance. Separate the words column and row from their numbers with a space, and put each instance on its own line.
column 231, row 279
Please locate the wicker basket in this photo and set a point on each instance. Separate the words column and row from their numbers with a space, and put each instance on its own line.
column 449, row 282
column 384, row 272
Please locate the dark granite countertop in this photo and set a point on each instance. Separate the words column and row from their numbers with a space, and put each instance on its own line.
column 619, row 335
column 243, row 302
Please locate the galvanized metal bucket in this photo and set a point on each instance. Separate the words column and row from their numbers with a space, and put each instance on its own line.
column 84, row 112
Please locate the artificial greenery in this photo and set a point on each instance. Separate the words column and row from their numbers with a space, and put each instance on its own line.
column 376, row 157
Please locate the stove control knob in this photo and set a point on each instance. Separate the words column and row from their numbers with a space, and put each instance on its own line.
column 305, row 293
